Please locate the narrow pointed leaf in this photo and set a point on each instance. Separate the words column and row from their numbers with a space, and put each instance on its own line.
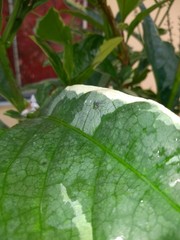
column 77, row 9
column 101, row 165
column 106, row 48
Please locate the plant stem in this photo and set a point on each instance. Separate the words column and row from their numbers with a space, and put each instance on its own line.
column 123, row 50
column 9, row 27
column 165, row 14
column 1, row 9
column 8, row 86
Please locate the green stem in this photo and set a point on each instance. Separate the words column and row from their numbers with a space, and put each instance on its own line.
column 165, row 14
column 7, row 38
column 123, row 50
column 8, row 86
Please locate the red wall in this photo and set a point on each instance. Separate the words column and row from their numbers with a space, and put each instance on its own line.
column 31, row 58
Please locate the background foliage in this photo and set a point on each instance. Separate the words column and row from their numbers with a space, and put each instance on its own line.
column 98, row 54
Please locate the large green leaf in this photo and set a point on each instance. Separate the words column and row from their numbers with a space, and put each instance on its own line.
column 101, row 165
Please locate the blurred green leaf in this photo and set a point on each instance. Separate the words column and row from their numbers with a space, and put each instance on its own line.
column 175, row 93
column 45, row 89
column 3, row 126
column 86, row 13
column 57, row 32
column 142, row 15
column 140, row 73
column 8, row 86
column 85, row 51
column 13, row 114
column 53, row 58
column 162, row 57
column 20, row 10
column 127, row 6
column 106, row 48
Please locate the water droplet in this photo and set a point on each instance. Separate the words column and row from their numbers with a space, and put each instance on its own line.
column 158, row 152
column 141, row 201
column 176, row 139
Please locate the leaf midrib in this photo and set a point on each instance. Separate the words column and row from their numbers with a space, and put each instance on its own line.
column 117, row 158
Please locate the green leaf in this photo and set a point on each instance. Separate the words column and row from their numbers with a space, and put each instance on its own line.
column 127, row 6
column 106, row 48
column 175, row 93
column 8, row 86
column 101, row 165
column 86, row 13
column 85, row 51
column 20, row 10
column 57, row 32
column 13, row 114
column 142, row 15
column 162, row 57
column 53, row 58
column 3, row 126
